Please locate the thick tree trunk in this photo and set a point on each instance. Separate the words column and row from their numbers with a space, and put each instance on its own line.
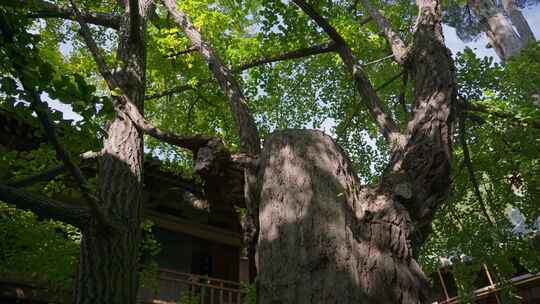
column 323, row 239
column 419, row 172
column 108, row 266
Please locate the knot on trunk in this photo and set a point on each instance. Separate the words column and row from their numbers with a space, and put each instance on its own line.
column 403, row 190
column 212, row 158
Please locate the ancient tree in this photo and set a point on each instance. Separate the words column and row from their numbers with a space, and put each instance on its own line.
column 345, row 243
column 317, row 235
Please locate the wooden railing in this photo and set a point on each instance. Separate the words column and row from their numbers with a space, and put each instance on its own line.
column 492, row 291
column 174, row 286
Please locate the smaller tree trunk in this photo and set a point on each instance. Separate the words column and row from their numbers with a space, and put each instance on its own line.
column 108, row 263
column 108, row 266
column 322, row 238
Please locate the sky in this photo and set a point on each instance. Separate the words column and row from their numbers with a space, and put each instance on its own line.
column 532, row 14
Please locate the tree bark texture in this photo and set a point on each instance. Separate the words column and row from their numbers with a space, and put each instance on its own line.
column 323, row 239
column 108, row 266
column 418, row 173
column 108, row 263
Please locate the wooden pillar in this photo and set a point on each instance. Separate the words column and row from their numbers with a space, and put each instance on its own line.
column 443, row 285
column 243, row 272
column 493, row 286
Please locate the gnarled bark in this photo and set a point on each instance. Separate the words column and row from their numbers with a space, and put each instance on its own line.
column 419, row 172
column 323, row 239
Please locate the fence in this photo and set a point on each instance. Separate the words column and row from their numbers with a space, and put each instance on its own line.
column 173, row 286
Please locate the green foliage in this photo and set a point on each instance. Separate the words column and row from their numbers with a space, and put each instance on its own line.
column 149, row 248
column 465, row 275
column 47, row 251
column 251, row 294
column 44, row 250
column 504, row 144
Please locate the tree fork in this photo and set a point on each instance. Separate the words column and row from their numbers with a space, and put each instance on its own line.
column 325, row 239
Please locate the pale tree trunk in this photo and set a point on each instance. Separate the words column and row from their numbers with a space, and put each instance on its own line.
column 498, row 29
column 525, row 32
column 519, row 21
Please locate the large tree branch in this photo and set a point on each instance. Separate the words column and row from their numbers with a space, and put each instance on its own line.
column 399, row 49
column 419, row 171
column 356, row 108
column 245, row 124
column 368, row 94
column 190, row 142
column 320, row 21
column 84, row 31
column 62, row 154
column 43, row 206
column 294, row 54
column 43, row 176
column 44, row 9
column 48, row 174
column 126, row 108
column 322, row 48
